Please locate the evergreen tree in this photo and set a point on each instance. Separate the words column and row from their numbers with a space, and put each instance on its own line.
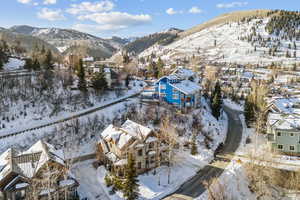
column 249, row 111
column 126, row 58
column 81, row 76
column 99, row 81
column 217, row 101
column 160, row 67
column 49, row 61
column 127, row 81
column 36, row 65
column 130, row 187
column 287, row 54
column 194, row 149
column 28, row 64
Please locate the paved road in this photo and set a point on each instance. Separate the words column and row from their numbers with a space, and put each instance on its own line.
column 195, row 187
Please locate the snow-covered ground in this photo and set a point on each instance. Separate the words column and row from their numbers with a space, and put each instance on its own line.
column 184, row 166
column 229, row 48
column 233, row 105
column 37, row 115
column 13, row 64
column 90, row 181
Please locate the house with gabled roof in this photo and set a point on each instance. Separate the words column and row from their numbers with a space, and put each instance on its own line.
column 117, row 143
column 284, row 133
column 40, row 170
column 179, row 89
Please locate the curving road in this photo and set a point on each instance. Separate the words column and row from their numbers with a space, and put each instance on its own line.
column 195, row 187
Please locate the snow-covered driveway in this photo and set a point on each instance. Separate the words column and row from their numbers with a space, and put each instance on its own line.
column 88, row 177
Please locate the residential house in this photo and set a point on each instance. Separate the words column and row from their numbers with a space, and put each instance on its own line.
column 284, row 105
column 117, row 143
column 179, row 89
column 40, row 170
column 284, row 133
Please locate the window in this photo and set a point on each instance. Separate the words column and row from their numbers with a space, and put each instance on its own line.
column 162, row 86
column 140, row 152
column 175, row 96
column 152, row 160
column 292, row 134
column 151, row 145
column 280, row 146
column 174, row 90
column 139, row 165
column 162, row 94
column 292, row 148
column 278, row 134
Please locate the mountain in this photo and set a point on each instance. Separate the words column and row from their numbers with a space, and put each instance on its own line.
column 254, row 37
column 163, row 38
column 25, row 42
column 68, row 40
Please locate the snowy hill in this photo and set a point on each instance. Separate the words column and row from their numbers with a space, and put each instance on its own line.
column 247, row 40
column 142, row 43
column 63, row 39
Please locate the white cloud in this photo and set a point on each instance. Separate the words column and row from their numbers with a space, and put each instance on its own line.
column 117, row 19
column 49, row 2
column 51, row 15
column 232, row 4
column 195, row 10
column 91, row 7
column 24, row 1
column 171, row 11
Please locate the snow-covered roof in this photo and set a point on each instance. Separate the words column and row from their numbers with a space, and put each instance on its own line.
column 67, row 182
column 21, row 185
column 88, row 59
column 152, row 153
column 121, row 162
column 286, row 105
column 135, row 129
column 284, row 122
column 151, row 139
column 183, row 73
column 28, row 163
column 187, row 87
column 126, row 133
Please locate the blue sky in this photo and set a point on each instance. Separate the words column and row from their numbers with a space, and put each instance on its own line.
column 125, row 18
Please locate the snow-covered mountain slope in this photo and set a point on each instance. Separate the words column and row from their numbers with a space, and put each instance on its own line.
column 142, row 43
column 242, row 41
column 63, row 39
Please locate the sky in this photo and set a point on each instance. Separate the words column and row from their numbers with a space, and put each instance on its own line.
column 125, row 18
